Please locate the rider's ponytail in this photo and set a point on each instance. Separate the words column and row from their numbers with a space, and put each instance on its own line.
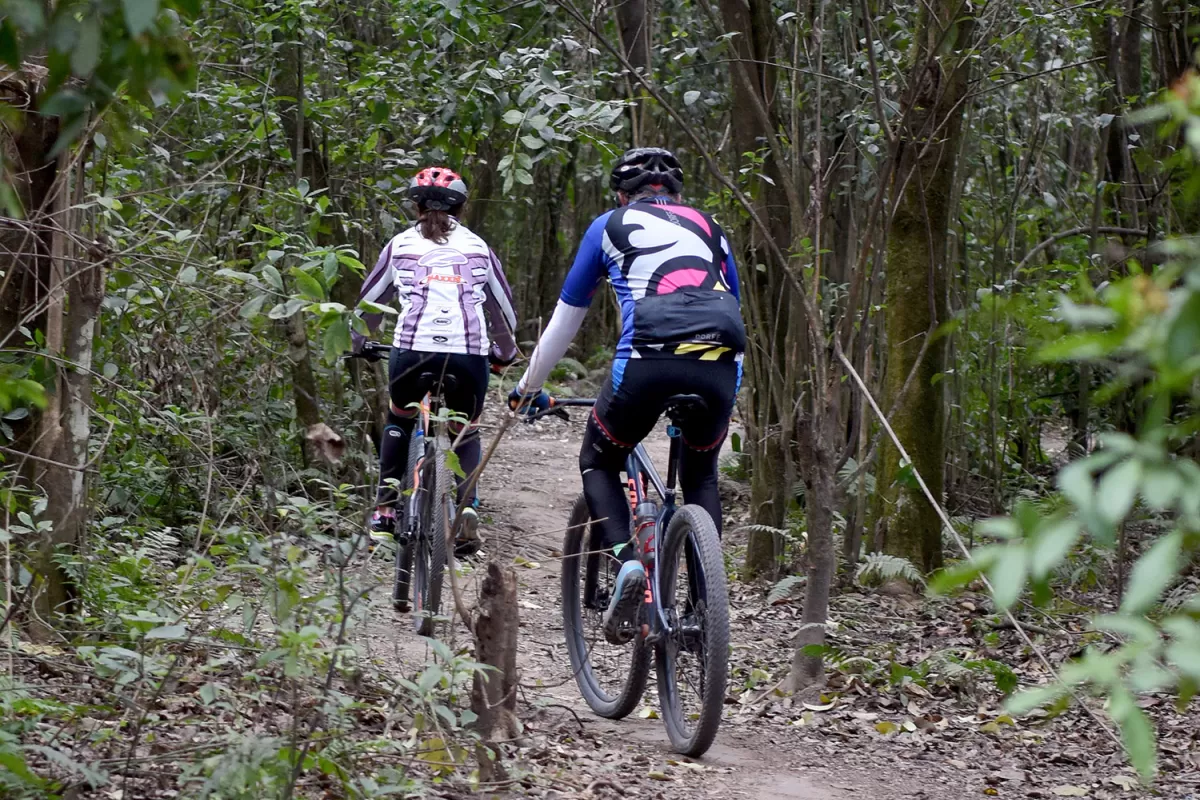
column 436, row 225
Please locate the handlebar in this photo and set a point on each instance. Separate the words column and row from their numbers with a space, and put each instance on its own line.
column 371, row 351
column 559, row 407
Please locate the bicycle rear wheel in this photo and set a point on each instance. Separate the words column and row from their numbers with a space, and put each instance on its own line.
column 429, row 548
column 611, row 678
column 693, row 659
column 402, row 575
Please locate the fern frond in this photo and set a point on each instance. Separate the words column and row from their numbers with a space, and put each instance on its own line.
column 761, row 529
column 783, row 588
column 881, row 568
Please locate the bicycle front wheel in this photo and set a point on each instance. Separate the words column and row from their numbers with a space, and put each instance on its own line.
column 692, row 659
column 611, row 678
column 429, row 549
column 402, row 575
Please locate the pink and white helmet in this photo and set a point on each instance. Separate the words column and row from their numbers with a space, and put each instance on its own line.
column 438, row 189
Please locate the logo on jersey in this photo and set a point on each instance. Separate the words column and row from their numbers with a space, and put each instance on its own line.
column 428, row 279
column 443, row 257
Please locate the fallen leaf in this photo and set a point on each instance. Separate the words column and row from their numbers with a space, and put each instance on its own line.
column 646, row 712
column 1070, row 791
column 990, row 792
column 886, row 727
column 1126, row 782
column 815, row 707
column 329, row 444
column 655, row 775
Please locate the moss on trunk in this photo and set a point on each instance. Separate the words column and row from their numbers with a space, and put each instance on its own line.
column 916, row 280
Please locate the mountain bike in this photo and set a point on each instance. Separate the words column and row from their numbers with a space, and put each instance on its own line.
column 427, row 498
column 685, row 617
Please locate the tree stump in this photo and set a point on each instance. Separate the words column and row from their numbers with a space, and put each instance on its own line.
column 494, row 692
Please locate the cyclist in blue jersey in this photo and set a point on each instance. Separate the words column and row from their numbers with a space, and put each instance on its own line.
column 681, row 333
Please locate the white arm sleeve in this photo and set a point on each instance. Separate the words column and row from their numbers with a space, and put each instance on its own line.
column 564, row 324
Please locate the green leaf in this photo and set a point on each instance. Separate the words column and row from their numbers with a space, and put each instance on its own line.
column 173, row 632
column 1052, row 545
column 1153, row 572
column 1024, row 702
column 999, row 528
column 139, row 15
column 1161, row 486
column 379, row 111
column 187, row 275
column 691, row 97
column 962, row 573
column 330, row 268
column 253, row 306
column 513, row 117
column 533, row 142
column 1136, row 731
column 524, row 177
column 1008, row 575
column 1117, row 490
column 1076, row 484
column 285, row 310
column 337, row 339
column 86, row 54
column 1183, row 341
column 309, row 286
column 453, row 464
column 273, row 277
column 10, row 48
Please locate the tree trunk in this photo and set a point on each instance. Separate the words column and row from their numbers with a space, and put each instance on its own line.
column 76, row 292
column 916, row 277
column 816, row 438
column 635, row 23
column 310, row 165
column 27, row 248
column 494, row 692
column 771, row 370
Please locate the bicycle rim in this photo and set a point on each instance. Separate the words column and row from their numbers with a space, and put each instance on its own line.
column 402, row 572
column 611, row 678
column 693, row 660
column 430, row 545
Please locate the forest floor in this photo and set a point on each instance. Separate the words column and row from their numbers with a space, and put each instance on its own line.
column 911, row 710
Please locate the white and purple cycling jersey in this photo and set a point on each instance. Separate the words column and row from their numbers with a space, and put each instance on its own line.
column 453, row 296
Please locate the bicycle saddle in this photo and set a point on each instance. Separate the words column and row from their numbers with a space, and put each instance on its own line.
column 428, row 382
column 683, row 405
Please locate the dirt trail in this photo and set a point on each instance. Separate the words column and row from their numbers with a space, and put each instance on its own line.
column 526, row 494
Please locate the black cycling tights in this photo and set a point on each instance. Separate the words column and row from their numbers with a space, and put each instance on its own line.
column 404, row 370
column 625, row 415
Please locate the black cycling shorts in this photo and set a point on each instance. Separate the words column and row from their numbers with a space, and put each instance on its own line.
column 464, row 392
column 631, row 403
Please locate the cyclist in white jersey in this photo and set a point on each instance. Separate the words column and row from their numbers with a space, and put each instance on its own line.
column 456, row 314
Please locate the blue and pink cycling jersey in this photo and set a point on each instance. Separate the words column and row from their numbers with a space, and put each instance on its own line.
column 674, row 276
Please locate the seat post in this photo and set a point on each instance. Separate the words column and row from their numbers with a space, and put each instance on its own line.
column 676, row 436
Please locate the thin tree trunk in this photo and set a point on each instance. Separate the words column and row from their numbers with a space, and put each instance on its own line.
column 635, row 23
column 816, row 438
column 494, row 692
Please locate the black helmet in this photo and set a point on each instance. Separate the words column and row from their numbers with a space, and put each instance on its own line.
column 646, row 166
